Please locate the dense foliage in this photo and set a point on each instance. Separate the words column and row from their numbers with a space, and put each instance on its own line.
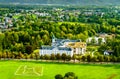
column 33, row 28
column 59, row 58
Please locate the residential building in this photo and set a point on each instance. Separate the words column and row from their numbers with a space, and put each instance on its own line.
column 108, row 52
column 96, row 40
column 61, row 46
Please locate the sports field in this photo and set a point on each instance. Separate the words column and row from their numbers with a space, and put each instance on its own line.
column 42, row 70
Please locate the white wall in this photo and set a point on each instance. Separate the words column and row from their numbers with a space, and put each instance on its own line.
column 49, row 52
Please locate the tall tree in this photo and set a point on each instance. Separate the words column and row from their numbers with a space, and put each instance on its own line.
column 64, row 56
column 58, row 56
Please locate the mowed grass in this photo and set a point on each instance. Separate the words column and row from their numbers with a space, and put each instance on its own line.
column 83, row 71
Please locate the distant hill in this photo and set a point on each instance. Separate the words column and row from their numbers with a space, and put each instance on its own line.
column 69, row 2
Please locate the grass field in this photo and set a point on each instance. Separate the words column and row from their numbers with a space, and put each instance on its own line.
column 41, row 70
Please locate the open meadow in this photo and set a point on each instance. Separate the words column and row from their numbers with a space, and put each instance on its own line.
column 44, row 70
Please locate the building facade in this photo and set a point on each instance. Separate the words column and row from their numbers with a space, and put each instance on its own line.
column 61, row 46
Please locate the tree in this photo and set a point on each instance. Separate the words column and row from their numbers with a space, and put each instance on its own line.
column 94, row 59
column 37, row 56
column 70, row 36
column 89, row 58
column 64, row 56
column 47, row 57
column 118, row 59
column 12, row 55
column 58, row 56
column 93, row 41
column 52, row 57
column 106, row 58
column 32, row 56
column 102, row 48
column 100, row 58
column 64, row 29
column 79, row 58
column 37, row 40
column 40, row 43
column 99, row 41
column 41, row 57
column 68, row 57
column 114, row 59
column 113, row 30
column 82, row 37
column 15, row 36
column 20, row 55
column 116, row 51
column 58, row 76
column 26, row 38
column 74, row 57
column 8, row 55
column 83, row 58
column 28, row 49
column 46, row 39
column 4, row 55
column 26, row 56
column 0, row 55
column 1, row 41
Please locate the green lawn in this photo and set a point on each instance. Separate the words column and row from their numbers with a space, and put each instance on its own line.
column 10, row 69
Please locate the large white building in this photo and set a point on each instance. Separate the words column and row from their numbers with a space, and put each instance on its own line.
column 61, row 46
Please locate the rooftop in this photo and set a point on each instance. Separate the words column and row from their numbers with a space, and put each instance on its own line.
column 77, row 45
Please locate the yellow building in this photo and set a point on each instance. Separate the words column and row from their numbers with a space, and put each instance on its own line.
column 78, row 47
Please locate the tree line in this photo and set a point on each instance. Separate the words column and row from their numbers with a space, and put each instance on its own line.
column 59, row 58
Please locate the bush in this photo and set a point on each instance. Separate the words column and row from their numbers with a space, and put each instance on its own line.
column 106, row 58
column 58, row 76
column 47, row 57
column 118, row 59
column 68, row 75
column 89, row 58
column 94, row 59
column 79, row 58
column 114, row 59
column 74, row 57
column 100, row 58
column 41, row 57
column 68, row 57
column 83, row 58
